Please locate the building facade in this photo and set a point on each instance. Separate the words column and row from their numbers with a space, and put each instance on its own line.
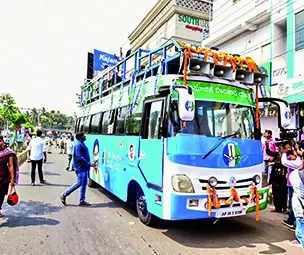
column 185, row 20
column 272, row 33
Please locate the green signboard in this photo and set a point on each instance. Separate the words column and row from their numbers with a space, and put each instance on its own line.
column 189, row 20
column 220, row 92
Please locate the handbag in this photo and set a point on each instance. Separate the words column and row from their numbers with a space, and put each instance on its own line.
column 12, row 198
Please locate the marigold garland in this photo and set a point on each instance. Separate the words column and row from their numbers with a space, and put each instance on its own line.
column 255, row 197
column 214, row 201
column 223, row 57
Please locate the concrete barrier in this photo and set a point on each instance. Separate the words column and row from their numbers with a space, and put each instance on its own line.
column 22, row 157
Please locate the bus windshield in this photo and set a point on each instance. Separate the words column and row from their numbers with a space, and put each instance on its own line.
column 217, row 119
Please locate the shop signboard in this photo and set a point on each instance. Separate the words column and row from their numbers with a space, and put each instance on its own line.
column 103, row 59
column 191, row 27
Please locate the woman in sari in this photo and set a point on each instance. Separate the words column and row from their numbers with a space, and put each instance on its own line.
column 8, row 165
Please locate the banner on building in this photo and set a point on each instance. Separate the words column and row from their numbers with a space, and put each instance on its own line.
column 103, row 60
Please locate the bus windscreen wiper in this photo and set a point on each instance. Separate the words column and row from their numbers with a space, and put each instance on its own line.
column 221, row 141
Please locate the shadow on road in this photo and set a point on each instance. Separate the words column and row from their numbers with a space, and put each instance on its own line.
column 45, row 185
column 25, row 214
column 44, row 173
column 116, row 202
column 227, row 233
column 13, row 222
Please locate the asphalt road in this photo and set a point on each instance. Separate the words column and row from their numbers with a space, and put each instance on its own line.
column 39, row 224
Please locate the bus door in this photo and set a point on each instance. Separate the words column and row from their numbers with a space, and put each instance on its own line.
column 151, row 143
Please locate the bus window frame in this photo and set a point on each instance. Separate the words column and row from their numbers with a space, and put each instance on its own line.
column 81, row 124
column 87, row 120
column 111, row 121
column 162, row 127
column 118, row 113
column 76, row 125
column 100, row 114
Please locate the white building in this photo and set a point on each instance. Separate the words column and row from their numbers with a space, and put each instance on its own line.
column 183, row 20
column 272, row 33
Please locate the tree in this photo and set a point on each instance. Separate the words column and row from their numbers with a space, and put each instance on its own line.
column 8, row 108
column 18, row 119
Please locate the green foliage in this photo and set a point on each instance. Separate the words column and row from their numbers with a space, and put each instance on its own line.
column 18, row 119
column 10, row 113
column 29, row 125
column 8, row 109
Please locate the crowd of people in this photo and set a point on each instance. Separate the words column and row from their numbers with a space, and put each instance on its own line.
column 37, row 149
column 284, row 171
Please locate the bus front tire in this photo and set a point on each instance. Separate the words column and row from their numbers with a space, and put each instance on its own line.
column 142, row 211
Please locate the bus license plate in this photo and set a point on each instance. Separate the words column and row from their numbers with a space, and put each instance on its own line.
column 230, row 212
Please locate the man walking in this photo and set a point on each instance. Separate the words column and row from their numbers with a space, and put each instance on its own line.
column 70, row 149
column 81, row 164
column 37, row 150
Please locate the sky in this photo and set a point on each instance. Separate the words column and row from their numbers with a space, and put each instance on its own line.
column 44, row 45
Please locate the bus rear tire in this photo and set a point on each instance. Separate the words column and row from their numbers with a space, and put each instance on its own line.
column 142, row 211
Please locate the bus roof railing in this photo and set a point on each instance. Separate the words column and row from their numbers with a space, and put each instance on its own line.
column 187, row 60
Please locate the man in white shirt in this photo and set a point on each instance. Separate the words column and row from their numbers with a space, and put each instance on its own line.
column 37, row 149
column 70, row 151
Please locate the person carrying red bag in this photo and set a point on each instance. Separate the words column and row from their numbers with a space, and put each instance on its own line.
column 8, row 171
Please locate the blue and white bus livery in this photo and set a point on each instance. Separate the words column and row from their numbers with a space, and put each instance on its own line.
column 179, row 144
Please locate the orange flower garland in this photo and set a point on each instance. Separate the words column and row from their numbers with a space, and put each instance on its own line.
column 255, row 195
column 212, row 199
column 225, row 58
column 209, row 199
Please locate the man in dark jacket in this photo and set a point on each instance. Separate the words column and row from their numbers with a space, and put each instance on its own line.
column 81, row 164
column 278, row 180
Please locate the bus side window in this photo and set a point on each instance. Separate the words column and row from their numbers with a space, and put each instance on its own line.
column 80, row 126
column 86, row 124
column 152, row 120
column 105, row 122
column 95, row 123
column 120, row 121
column 76, row 126
column 133, row 123
column 112, row 122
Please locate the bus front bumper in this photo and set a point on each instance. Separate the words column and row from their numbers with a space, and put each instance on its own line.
column 189, row 207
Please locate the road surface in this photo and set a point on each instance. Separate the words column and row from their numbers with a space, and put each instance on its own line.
column 39, row 224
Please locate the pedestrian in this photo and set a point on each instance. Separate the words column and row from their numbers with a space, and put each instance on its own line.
column 297, row 181
column 61, row 145
column 49, row 144
column 278, row 180
column 70, row 149
column 28, row 140
column 267, row 158
column 81, row 164
column 8, row 171
column 291, row 163
column 37, row 149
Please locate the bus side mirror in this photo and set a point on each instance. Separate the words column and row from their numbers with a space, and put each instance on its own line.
column 186, row 104
column 284, row 118
column 285, row 115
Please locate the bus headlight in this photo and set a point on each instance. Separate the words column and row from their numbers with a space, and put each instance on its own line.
column 256, row 179
column 182, row 183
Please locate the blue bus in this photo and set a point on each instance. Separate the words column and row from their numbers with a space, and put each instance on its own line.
column 175, row 131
